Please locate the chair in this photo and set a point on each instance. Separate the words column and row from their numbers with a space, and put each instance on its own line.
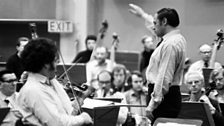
column 177, row 122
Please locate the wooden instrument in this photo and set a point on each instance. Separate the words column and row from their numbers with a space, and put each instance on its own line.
column 207, row 71
column 113, row 49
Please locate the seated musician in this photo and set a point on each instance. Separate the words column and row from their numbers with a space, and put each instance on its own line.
column 195, row 83
column 8, row 96
column 95, row 66
column 119, row 74
column 205, row 53
column 42, row 100
column 136, row 95
column 217, row 78
column 106, row 91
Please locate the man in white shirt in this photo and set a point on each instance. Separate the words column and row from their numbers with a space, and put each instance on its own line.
column 42, row 100
column 8, row 96
column 205, row 53
column 100, row 63
column 165, row 71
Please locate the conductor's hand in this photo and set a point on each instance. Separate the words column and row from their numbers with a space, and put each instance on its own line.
column 86, row 118
column 136, row 10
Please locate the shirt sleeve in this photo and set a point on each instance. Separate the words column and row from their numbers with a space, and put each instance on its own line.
column 165, row 76
column 47, row 112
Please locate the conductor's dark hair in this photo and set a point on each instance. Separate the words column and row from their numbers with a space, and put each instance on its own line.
column 37, row 53
column 170, row 14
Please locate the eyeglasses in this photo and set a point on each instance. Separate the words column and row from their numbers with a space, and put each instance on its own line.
column 193, row 82
column 208, row 52
column 11, row 81
column 105, row 82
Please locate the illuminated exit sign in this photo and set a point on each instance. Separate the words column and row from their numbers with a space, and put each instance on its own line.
column 57, row 26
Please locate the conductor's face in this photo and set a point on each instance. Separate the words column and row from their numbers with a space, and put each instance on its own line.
column 159, row 26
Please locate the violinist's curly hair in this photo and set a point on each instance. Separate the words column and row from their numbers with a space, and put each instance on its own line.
column 37, row 53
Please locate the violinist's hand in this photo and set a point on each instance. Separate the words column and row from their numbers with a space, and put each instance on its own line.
column 77, row 104
column 136, row 10
column 205, row 99
column 86, row 118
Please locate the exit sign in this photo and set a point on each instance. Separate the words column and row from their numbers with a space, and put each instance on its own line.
column 57, row 26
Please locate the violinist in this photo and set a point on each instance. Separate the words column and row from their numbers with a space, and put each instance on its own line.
column 217, row 78
column 137, row 94
column 42, row 100
column 195, row 83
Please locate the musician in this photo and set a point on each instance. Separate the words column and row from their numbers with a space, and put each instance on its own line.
column 95, row 66
column 42, row 100
column 218, row 78
column 205, row 53
column 165, row 71
column 119, row 74
column 147, row 42
column 106, row 91
column 84, row 56
column 14, row 62
column 8, row 97
column 136, row 94
column 195, row 83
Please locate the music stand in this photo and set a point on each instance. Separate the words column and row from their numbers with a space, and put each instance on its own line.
column 196, row 110
column 3, row 113
column 173, row 121
column 110, row 99
column 104, row 115
column 222, row 108
column 77, row 72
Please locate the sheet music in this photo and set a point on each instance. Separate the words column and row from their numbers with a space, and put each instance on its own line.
column 91, row 103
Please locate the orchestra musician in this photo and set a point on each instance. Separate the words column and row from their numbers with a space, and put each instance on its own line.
column 42, row 100
column 195, row 83
column 106, row 91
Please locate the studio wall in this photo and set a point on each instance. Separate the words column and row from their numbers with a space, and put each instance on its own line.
column 200, row 20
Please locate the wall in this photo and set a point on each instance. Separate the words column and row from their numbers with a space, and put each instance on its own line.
column 73, row 10
column 27, row 9
column 200, row 20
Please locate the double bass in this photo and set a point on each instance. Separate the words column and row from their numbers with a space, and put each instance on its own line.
column 209, row 86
